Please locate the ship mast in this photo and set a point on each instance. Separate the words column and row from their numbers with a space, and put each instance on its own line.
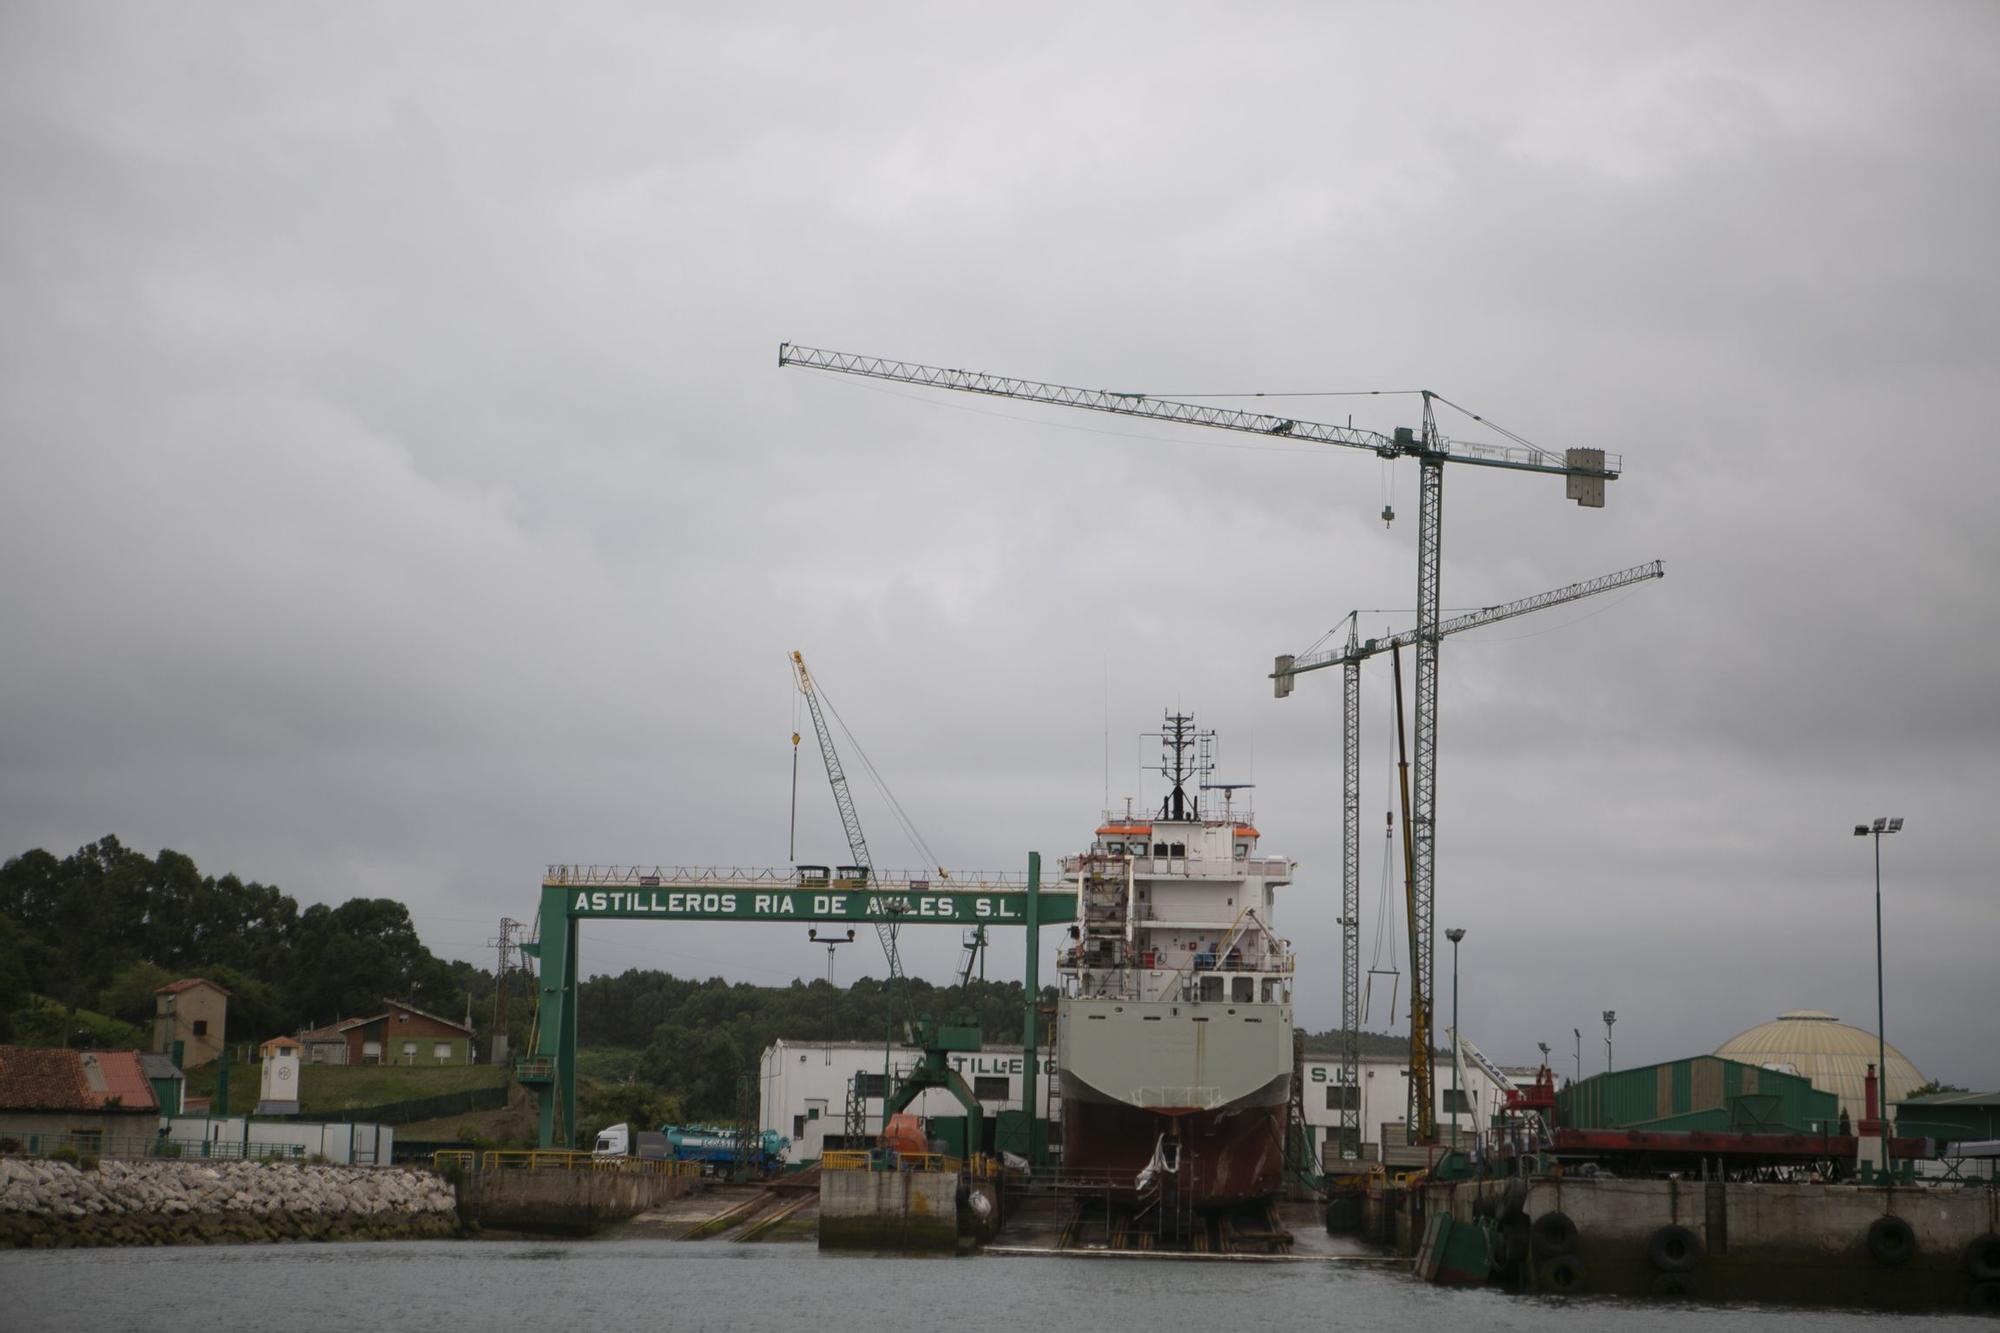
column 1184, row 753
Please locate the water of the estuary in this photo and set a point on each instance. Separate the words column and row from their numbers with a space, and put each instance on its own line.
column 607, row 1286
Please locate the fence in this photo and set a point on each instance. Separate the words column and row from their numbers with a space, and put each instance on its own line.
column 147, row 1145
column 422, row 1108
column 555, row 1159
column 981, row 1166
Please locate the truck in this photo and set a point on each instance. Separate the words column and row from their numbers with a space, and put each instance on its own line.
column 715, row 1147
column 620, row 1141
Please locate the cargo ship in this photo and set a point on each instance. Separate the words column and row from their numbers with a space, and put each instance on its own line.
column 1174, row 1022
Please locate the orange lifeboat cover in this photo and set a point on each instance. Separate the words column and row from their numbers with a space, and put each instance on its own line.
column 905, row 1133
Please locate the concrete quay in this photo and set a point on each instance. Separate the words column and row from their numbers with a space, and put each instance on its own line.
column 1891, row 1247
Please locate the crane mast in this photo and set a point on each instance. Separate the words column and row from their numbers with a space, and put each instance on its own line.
column 1585, row 471
column 1350, row 657
column 857, row 845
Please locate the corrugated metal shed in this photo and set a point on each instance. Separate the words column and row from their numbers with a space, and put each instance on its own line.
column 1700, row 1092
column 1956, row 1117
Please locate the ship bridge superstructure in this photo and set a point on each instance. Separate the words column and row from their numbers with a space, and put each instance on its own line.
column 1179, row 907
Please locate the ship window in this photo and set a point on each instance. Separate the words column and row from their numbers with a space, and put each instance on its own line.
column 1271, row 995
column 1179, row 849
column 1115, row 848
column 1159, row 849
column 1242, row 850
column 1211, row 988
column 1243, row 989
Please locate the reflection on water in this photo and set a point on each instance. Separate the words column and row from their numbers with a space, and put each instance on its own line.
column 611, row 1285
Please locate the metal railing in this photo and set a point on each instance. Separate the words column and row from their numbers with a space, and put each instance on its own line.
column 129, row 1146
column 907, row 881
column 556, row 1159
column 982, row 1166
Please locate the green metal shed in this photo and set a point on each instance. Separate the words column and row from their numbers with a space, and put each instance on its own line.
column 1955, row 1117
column 1703, row 1092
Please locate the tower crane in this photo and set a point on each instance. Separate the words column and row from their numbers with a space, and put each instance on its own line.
column 1584, row 470
column 1351, row 656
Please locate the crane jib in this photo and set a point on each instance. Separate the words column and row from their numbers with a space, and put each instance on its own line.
column 1404, row 442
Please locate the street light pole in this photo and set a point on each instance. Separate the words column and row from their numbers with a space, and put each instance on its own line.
column 1610, row 1017
column 1578, row 1033
column 1882, row 825
column 1457, row 1099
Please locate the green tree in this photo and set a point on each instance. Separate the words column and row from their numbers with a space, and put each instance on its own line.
column 129, row 993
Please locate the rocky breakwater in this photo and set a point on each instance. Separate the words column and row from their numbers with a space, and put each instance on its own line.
column 53, row 1204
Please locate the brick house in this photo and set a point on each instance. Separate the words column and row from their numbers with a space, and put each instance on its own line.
column 95, row 1101
column 192, row 1011
column 400, row 1034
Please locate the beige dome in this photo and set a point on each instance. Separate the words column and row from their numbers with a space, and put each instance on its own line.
column 1834, row 1055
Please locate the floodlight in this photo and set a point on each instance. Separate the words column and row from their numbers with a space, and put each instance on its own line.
column 1895, row 823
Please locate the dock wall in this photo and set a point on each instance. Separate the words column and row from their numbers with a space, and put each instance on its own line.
column 1752, row 1241
column 907, row 1212
column 563, row 1203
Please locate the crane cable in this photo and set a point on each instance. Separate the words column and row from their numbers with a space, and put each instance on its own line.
column 903, row 820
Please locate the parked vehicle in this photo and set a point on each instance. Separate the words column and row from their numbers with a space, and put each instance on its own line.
column 715, row 1147
column 647, row 1145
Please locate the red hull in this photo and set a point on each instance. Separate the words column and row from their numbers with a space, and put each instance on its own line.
column 1228, row 1156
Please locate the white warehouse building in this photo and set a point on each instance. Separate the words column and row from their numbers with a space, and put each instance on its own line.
column 803, row 1088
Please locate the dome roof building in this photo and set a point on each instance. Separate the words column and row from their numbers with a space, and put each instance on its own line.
column 1834, row 1055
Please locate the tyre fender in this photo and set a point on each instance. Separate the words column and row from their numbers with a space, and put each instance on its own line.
column 1552, row 1235
column 1892, row 1241
column 1674, row 1249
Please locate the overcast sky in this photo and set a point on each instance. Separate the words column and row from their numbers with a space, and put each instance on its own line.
column 399, row 492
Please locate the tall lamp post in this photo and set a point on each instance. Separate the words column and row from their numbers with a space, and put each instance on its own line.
column 1889, row 824
column 1457, row 1099
column 1578, row 1034
column 1610, row 1017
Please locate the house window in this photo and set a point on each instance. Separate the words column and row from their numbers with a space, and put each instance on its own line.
column 201, row 1027
column 409, row 1052
column 1340, row 1097
column 371, row 1050
column 441, row 1051
column 868, row 1085
column 1454, row 1100
column 798, row 1126
column 990, row 1087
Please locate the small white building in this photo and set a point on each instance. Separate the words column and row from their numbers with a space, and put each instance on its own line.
column 802, row 1086
column 1383, row 1099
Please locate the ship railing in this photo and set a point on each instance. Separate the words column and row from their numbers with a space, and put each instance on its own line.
column 1188, row 867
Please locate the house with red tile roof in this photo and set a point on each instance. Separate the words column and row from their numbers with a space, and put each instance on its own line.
column 192, row 1011
column 99, row 1099
column 398, row 1033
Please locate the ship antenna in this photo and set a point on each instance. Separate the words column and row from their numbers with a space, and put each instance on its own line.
column 1177, row 739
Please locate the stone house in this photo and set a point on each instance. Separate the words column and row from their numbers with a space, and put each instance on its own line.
column 192, row 1011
